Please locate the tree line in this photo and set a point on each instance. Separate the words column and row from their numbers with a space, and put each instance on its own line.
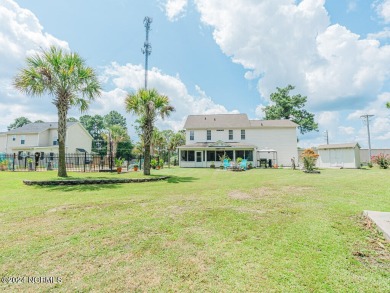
column 71, row 83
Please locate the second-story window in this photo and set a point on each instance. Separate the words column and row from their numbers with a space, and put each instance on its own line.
column 242, row 134
column 23, row 140
column 55, row 140
column 192, row 135
column 208, row 134
column 230, row 134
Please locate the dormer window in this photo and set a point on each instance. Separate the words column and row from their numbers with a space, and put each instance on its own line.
column 208, row 134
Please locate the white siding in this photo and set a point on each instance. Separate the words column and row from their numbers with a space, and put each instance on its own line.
column 201, row 136
column 339, row 158
column 78, row 137
column 283, row 140
column 3, row 143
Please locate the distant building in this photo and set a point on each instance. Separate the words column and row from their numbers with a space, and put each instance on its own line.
column 345, row 155
column 43, row 138
column 209, row 137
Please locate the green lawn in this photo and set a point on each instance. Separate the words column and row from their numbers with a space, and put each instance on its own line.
column 202, row 230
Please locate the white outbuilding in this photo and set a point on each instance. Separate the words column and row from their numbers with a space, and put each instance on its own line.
column 345, row 155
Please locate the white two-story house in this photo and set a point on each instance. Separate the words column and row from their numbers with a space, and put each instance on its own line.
column 209, row 137
column 43, row 138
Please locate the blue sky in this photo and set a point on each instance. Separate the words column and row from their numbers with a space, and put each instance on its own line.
column 214, row 56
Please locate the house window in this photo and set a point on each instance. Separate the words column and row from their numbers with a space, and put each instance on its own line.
column 242, row 134
column 55, row 140
column 192, row 136
column 230, row 134
column 208, row 134
column 23, row 140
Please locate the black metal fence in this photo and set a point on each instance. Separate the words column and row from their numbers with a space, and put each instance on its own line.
column 81, row 162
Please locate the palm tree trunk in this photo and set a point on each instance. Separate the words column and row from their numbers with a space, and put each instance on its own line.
column 148, row 138
column 62, row 113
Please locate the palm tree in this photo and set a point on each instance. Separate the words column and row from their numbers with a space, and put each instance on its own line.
column 115, row 135
column 176, row 140
column 148, row 105
column 65, row 77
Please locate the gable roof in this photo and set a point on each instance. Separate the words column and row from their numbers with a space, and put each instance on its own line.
column 37, row 127
column 225, row 121
column 217, row 121
column 273, row 123
column 351, row 145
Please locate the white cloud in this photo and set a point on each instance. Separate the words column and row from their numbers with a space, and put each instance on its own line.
column 260, row 111
column 21, row 35
column 346, row 130
column 287, row 43
column 383, row 10
column 327, row 119
column 131, row 77
column 174, row 9
column 384, row 34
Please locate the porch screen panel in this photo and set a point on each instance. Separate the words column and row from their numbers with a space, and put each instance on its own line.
column 211, row 156
column 191, row 156
column 240, row 154
column 183, row 155
column 249, row 155
column 229, row 154
column 219, row 155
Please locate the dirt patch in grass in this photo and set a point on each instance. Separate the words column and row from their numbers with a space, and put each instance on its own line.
column 269, row 191
column 376, row 252
column 237, row 194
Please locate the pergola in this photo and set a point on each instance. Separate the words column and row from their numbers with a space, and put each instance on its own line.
column 263, row 160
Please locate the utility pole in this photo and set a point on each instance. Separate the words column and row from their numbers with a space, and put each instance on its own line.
column 147, row 50
column 326, row 136
column 367, row 121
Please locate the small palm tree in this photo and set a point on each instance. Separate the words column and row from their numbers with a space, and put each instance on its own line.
column 115, row 134
column 65, row 77
column 148, row 105
column 176, row 140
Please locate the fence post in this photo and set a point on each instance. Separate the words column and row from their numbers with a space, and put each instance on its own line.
column 85, row 159
column 13, row 163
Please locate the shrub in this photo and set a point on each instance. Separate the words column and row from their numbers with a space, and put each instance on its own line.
column 239, row 160
column 309, row 158
column 153, row 163
column 382, row 160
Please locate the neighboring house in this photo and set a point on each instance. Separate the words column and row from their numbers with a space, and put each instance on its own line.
column 43, row 138
column 209, row 137
column 345, row 155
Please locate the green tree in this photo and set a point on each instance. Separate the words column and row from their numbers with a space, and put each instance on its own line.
column 66, row 78
column 39, row 121
column 95, row 126
column 148, row 105
column 114, row 135
column 290, row 107
column 388, row 105
column 114, row 118
column 176, row 140
column 19, row 122
column 72, row 119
